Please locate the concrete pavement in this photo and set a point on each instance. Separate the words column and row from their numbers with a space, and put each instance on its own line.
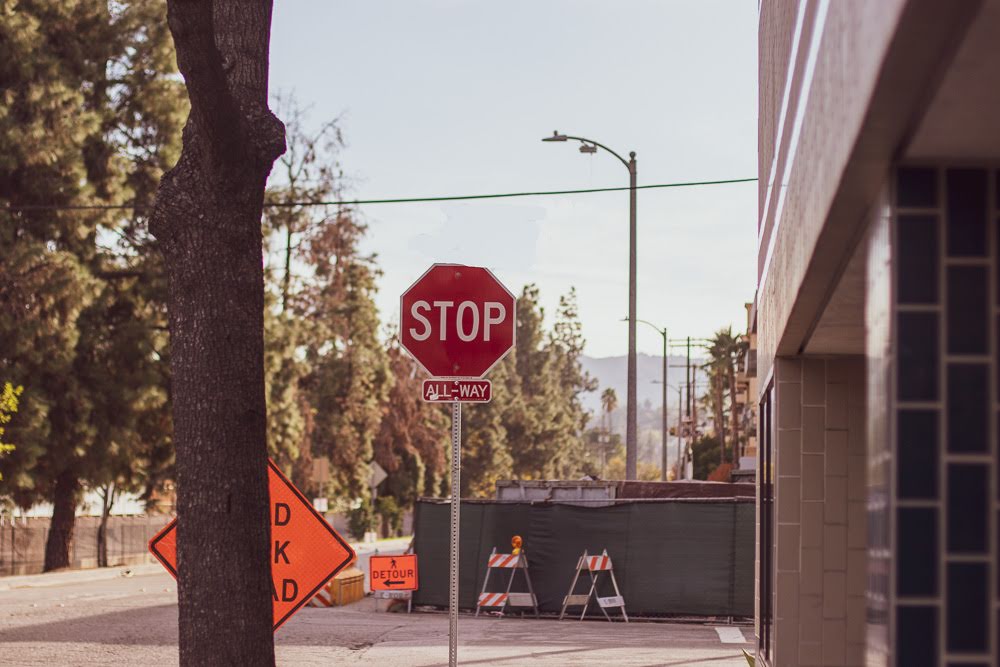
column 133, row 621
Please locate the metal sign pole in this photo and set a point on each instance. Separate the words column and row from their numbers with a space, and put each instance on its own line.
column 456, row 500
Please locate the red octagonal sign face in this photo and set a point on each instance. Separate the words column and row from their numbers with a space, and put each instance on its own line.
column 457, row 321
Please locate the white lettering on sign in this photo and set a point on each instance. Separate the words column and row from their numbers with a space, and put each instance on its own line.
column 493, row 314
column 469, row 390
column 415, row 311
column 443, row 307
column 459, row 317
column 490, row 320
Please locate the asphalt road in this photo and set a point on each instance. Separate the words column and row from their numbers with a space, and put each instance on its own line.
column 133, row 621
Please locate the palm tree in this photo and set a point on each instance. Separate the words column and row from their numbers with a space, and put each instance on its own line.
column 724, row 353
column 609, row 402
column 717, row 376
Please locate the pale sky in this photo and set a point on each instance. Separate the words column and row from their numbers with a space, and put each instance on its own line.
column 448, row 97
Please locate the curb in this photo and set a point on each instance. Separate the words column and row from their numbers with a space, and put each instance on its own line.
column 76, row 576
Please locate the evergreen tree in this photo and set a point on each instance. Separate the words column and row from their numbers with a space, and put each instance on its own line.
column 8, row 406
column 92, row 122
column 486, row 449
column 413, row 437
column 327, row 372
column 534, row 427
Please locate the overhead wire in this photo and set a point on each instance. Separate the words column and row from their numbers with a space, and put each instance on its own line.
column 399, row 200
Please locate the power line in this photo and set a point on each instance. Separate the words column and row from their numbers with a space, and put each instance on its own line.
column 402, row 200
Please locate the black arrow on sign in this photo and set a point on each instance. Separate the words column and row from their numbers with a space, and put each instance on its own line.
column 392, row 583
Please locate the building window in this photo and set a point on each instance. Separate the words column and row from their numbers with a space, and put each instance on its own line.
column 765, row 538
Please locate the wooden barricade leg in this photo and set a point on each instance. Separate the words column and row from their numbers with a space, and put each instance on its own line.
column 510, row 583
column 486, row 579
column 614, row 582
column 593, row 593
column 572, row 586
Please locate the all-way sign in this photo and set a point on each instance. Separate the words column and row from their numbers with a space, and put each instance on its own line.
column 306, row 551
column 393, row 573
column 462, row 391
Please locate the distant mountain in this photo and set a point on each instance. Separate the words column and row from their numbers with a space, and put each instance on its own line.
column 613, row 372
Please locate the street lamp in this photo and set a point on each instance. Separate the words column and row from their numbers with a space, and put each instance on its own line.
column 680, row 413
column 631, row 427
column 663, row 333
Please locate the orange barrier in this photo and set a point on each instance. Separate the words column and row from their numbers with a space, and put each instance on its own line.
column 502, row 600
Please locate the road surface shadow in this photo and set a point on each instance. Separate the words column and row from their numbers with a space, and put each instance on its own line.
column 143, row 626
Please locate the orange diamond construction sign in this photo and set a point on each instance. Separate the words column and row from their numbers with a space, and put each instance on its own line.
column 306, row 552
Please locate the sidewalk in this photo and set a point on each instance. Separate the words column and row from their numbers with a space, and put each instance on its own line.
column 68, row 577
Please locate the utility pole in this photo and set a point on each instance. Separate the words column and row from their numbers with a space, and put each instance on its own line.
column 680, row 419
column 688, row 376
column 589, row 146
column 663, row 467
column 631, row 408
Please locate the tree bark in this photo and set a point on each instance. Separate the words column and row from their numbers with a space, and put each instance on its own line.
column 108, row 495
column 207, row 218
column 60, row 539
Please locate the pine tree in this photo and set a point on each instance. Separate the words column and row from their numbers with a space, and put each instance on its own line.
column 327, row 370
column 92, row 122
column 413, row 437
column 534, row 428
column 486, row 449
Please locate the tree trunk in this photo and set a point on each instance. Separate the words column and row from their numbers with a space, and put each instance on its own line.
column 207, row 219
column 102, row 542
column 286, row 281
column 57, row 546
column 107, row 501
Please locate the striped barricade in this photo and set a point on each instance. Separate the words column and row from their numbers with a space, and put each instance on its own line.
column 507, row 599
column 504, row 560
column 324, row 598
column 595, row 566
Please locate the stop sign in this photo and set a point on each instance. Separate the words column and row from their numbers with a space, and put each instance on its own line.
column 457, row 321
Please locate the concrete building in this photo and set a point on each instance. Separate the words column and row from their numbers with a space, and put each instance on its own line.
column 877, row 311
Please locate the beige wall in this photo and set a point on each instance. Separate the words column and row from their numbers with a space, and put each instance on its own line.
column 820, row 516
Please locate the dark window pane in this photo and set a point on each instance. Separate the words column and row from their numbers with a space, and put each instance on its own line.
column 916, row 636
column 967, row 407
column 918, row 454
column 967, row 302
column 996, row 274
column 968, row 508
column 917, row 555
column 918, row 356
column 967, row 607
column 917, row 238
column 966, row 224
column 916, row 186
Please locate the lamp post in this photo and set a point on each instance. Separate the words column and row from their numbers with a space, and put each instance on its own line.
column 663, row 333
column 680, row 414
column 631, row 427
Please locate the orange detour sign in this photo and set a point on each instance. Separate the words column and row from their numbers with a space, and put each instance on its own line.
column 305, row 552
column 393, row 573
